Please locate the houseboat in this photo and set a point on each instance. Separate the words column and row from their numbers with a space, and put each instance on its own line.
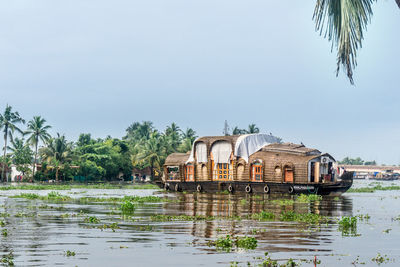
column 253, row 163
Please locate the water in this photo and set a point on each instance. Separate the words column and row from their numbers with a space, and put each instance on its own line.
column 38, row 235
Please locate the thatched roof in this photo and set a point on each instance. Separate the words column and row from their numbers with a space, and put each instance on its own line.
column 291, row 148
column 176, row 159
column 211, row 139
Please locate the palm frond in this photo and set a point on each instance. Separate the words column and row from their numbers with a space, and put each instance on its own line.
column 343, row 22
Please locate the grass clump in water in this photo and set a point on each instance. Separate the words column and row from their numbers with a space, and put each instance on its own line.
column 8, row 259
column 373, row 189
column 168, row 218
column 227, row 243
column 348, row 226
column 263, row 216
column 91, row 219
column 127, row 207
column 283, row 202
column 379, row 259
column 308, row 198
column 70, row 253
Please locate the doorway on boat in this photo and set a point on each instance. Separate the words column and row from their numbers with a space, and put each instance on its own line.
column 288, row 174
column 256, row 172
column 189, row 173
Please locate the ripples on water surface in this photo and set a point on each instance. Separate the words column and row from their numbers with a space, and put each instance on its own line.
column 37, row 234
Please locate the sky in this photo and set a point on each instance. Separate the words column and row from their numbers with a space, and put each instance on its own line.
column 97, row 66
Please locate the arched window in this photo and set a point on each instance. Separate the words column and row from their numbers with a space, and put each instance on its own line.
column 256, row 172
column 189, row 173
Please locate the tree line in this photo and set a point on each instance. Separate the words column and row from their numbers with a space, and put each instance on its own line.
column 40, row 156
column 356, row 161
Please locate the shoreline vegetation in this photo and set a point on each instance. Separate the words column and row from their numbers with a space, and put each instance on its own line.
column 41, row 186
column 140, row 154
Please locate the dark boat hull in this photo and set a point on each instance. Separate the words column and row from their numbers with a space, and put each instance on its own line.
column 261, row 187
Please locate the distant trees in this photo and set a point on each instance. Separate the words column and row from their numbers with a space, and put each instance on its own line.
column 356, row 161
column 21, row 155
column 57, row 153
column 37, row 130
column 252, row 128
column 8, row 124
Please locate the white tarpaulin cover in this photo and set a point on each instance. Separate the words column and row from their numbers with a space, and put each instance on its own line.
column 248, row 144
column 201, row 153
column 221, row 152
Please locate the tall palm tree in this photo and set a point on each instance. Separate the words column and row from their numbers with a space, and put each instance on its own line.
column 344, row 22
column 238, row 131
column 37, row 130
column 57, row 152
column 189, row 134
column 174, row 137
column 8, row 123
column 153, row 152
column 253, row 129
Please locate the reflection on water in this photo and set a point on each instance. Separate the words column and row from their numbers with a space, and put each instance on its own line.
column 40, row 233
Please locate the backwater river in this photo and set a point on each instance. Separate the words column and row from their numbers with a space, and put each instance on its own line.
column 40, row 232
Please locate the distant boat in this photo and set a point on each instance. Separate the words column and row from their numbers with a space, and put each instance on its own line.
column 254, row 163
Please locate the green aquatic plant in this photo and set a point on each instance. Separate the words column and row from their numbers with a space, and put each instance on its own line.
column 91, row 219
column 4, row 232
column 378, row 187
column 2, row 223
column 310, row 218
column 226, row 243
column 379, row 259
column 167, row 218
column 308, row 198
column 263, row 216
column 70, row 253
column 53, row 195
column 348, row 226
column 112, row 226
column 8, row 259
column 243, row 201
column 363, row 217
column 246, row 242
column 283, row 202
column 223, row 243
column 127, row 207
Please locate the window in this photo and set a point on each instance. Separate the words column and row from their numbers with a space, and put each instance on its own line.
column 223, row 171
column 173, row 173
column 256, row 172
column 189, row 173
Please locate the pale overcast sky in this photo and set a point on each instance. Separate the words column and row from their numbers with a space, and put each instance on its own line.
column 97, row 66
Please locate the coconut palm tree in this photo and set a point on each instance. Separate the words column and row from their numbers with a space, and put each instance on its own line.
column 8, row 123
column 37, row 130
column 173, row 136
column 344, row 22
column 238, row 131
column 57, row 152
column 153, row 152
column 189, row 134
column 253, row 129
